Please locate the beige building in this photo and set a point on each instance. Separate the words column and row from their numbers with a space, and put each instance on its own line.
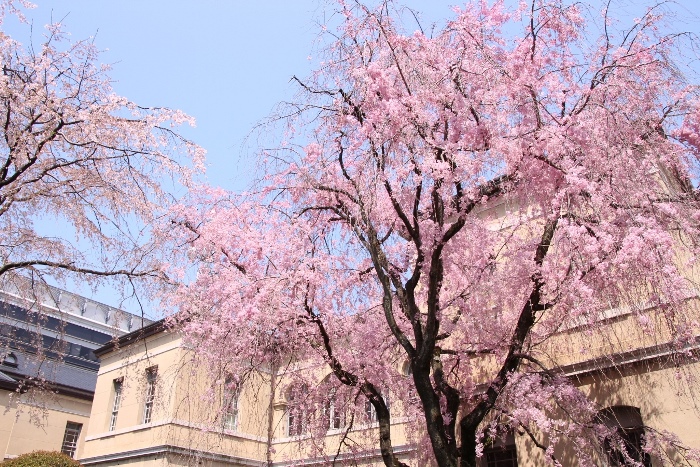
column 146, row 403
column 150, row 405
column 154, row 407
column 171, row 419
column 150, row 409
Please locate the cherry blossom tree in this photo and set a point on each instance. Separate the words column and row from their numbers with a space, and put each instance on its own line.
column 473, row 202
column 84, row 173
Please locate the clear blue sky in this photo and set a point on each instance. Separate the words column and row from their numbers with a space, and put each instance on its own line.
column 225, row 62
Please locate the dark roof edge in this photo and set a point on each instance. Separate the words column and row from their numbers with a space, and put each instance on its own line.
column 22, row 385
column 134, row 336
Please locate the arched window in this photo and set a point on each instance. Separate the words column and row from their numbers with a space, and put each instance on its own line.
column 229, row 409
column 296, row 410
column 625, row 441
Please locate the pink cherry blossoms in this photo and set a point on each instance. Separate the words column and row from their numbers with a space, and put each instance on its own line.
column 84, row 173
column 485, row 209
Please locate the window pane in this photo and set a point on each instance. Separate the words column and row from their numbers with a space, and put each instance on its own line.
column 230, row 405
column 115, row 404
column 627, row 439
column 334, row 413
column 151, row 378
column 502, row 457
column 296, row 416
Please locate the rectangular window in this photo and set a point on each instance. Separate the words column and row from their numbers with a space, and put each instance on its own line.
column 296, row 423
column 296, row 411
column 502, row 452
column 151, row 379
column 371, row 412
column 334, row 413
column 118, row 386
column 505, row 456
column 70, row 438
column 230, row 405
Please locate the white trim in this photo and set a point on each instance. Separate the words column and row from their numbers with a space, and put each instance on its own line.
column 645, row 353
column 175, row 422
column 169, row 449
column 363, row 456
column 74, row 316
column 616, row 312
column 121, row 431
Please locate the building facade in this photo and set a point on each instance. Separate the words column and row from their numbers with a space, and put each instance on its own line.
column 155, row 406
column 181, row 421
column 151, row 408
column 66, row 383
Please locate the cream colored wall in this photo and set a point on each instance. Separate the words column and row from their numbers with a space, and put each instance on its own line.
column 185, row 418
column 27, row 426
column 130, row 365
column 363, row 437
column 185, row 414
column 665, row 395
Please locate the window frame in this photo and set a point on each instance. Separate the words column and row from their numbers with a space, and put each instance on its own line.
column 501, row 456
column 628, row 432
column 150, row 393
column 501, row 452
column 296, row 415
column 117, row 393
column 334, row 412
column 371, row 413
column 71, row 437
column 230, row 411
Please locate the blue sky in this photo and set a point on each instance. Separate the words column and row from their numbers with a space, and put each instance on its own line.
column 227, row 63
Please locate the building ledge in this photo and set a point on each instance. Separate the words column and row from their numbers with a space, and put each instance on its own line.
column 166, row 449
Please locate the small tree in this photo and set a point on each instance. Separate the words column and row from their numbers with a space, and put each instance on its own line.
column 463, row 201
column 42, row 459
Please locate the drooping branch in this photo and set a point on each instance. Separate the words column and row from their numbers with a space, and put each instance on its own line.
column 368, row 389
column 470, row 422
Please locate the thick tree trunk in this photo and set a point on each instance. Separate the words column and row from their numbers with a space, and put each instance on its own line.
column 444, row 455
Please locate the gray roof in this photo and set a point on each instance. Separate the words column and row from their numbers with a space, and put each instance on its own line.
column 52, row 371
column 5, row 378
